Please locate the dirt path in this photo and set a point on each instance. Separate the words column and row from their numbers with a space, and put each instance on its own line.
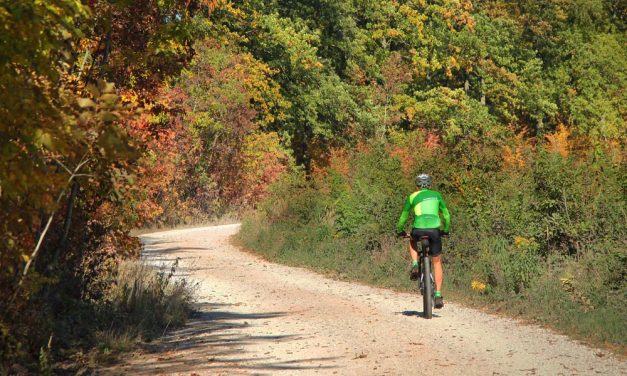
column 260, row 318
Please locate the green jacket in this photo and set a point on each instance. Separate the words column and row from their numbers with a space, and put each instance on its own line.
column 426, row 205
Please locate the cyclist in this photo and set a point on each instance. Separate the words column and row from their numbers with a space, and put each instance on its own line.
column 426, row 206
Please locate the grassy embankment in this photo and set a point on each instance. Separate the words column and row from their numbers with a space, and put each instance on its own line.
column 139, row 304
column 543, row 241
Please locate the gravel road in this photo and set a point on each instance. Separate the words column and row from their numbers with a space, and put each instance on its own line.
column 260, row 318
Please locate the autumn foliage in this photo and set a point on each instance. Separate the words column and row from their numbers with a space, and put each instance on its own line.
column 121, row 114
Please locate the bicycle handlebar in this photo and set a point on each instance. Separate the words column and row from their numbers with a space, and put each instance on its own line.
column 408, row 236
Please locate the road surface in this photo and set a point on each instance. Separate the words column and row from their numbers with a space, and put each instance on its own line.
column 260, row 318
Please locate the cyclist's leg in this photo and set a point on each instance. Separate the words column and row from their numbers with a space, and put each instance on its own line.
column 437, row 272
column 413, row 252
column 435, row 251
column 414, row 273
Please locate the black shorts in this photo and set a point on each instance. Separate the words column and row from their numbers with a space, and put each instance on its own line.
column 435, row 242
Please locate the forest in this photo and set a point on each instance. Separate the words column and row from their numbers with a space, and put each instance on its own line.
column 309, row 121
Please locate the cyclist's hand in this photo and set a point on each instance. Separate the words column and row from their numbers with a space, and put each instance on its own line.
column 402, row 234
column 443, row 233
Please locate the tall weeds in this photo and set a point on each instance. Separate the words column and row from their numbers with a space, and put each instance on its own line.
column 145, row 301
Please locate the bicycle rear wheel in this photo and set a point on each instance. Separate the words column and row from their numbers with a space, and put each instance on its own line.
column 427, row 296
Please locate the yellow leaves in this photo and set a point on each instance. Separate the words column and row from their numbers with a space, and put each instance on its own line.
column 477, row 285
column 453, row 62
column 232, row 10
column 567, row 282
column 264, row 161
column 130, row 97
column 25, row 257
column 309, row 65
column 419, row 62
column 410, row 112
column 520, row 241
column 414, row 17
column 560, row 14
column 377, row 34
column 467, row 5
column 393, row 33
column 4, row 15
column 449, row 72
column 558, row 142
column 264, row 91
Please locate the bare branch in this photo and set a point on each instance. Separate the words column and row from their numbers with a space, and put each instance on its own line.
column 41, row 239
column 82, row 162
column 62, row 165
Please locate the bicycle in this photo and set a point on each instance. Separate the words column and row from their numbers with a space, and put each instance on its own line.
column 427, row 290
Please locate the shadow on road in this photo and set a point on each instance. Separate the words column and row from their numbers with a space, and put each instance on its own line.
column 211, row 343
column 415, row 313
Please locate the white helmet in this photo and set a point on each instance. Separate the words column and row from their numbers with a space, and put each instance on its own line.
column 423, row 180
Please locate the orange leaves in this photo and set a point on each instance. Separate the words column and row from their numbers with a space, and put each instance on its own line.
column 457, row 14
column 514, row 155
column 558, row 142
column 406, row 156
column 339, row 161
column 432, row 140
column 412, row 149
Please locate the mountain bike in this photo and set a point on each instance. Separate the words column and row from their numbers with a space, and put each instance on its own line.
column 426, row 285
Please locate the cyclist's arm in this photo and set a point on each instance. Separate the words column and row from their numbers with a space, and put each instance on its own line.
column 445, row 214
column 404, row 215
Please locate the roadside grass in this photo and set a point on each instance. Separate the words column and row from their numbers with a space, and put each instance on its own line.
column 141, row 304
column 148, row 299
column 546, row 301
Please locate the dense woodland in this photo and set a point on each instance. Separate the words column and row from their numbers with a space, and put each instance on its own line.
column 315, row 115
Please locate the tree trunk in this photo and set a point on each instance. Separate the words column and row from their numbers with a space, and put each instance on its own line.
column 68, row 219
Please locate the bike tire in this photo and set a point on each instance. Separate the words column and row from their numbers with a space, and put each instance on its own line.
column 427, row 296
